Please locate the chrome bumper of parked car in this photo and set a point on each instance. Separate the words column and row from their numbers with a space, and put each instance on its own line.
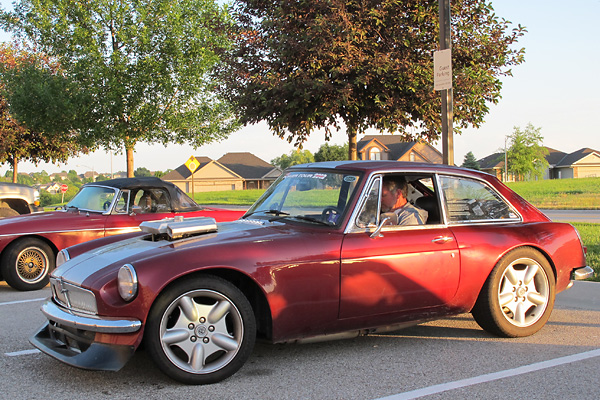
column 89, row 322
column 582, row 273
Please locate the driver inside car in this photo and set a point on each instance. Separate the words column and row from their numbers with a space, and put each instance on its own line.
column 395, row 205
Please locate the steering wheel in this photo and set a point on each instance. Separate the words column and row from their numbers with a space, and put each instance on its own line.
column 330, row 214
column 106, row 205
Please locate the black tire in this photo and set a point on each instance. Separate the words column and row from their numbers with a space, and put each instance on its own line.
column 518, row 296
column 6, row 212
column 200, row 331
column 27, row 263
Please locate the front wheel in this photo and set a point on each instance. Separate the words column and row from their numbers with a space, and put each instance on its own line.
column 26, row 264
column 518, row 296
column 200, row 331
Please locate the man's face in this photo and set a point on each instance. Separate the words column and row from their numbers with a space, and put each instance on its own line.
column 388, row 199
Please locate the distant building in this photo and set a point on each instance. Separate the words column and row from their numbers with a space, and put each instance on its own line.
column 392, row 147
column 233, row 171
column 583, row 163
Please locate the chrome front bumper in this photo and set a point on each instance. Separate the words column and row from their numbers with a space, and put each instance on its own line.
column 90, row 323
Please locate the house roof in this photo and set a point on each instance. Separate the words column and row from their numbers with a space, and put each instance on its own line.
column 182, row 172
column 492, row 161
column 397, row 148
column 246, row 165
column 554, row 156
column 576, row 156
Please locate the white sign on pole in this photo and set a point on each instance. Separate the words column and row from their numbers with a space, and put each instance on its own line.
column 442, row 69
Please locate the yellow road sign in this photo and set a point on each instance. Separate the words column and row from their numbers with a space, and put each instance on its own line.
column 192, row 164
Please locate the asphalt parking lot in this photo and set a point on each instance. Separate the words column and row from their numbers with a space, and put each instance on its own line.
column 447, row 359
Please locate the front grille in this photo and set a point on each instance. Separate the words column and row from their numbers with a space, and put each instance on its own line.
column 73, row 297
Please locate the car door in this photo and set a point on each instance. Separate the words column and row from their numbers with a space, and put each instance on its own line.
column 397, row 269
column 132, row 207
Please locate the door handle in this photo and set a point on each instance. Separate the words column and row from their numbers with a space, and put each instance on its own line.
column 442, row 239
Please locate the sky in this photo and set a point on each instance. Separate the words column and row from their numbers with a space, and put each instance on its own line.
column 556, row 89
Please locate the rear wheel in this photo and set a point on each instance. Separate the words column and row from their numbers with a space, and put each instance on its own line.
column 518, row 296
column 26, row 264
column 200, row 331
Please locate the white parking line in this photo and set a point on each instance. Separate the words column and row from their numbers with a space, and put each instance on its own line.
column 8, row 303
column 492, row 377
column 22, row 353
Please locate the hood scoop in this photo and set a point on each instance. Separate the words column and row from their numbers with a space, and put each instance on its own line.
column 178, row 227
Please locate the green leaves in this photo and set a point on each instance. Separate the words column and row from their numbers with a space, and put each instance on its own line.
column 305, row 65
column 143, row 67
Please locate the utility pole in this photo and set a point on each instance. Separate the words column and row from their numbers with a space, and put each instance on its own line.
column 447, row 100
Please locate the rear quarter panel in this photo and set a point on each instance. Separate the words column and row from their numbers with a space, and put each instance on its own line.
column 482, row 246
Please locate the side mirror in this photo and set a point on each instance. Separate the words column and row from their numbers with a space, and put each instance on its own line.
column 377, row 232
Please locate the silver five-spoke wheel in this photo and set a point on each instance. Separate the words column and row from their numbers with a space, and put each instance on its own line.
column 201, row 330
column 518, row 295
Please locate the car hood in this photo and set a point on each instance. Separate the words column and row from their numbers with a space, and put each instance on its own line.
column 106, row 259
column 43, row 222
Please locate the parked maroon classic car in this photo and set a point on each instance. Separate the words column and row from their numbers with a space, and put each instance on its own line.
column 313, row 258
column 29, row 243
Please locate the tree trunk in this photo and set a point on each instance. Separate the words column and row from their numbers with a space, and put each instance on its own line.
column 352, row 154
column 15, row 173
column 129, row 155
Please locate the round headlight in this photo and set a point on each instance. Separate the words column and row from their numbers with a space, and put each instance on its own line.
column 62, row 257
column 127, row 282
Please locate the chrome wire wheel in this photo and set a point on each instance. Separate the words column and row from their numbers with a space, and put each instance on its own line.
column 32, row 265
column 524, row 292
column 201, row 331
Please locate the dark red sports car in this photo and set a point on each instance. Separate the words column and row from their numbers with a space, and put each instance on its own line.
column 29, row 243
column 313, row 258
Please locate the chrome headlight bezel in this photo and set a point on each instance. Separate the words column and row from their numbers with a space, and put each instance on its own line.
column 62, row 257
column 127, row 282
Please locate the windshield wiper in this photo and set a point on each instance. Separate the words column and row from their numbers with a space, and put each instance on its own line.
column 273, row 212
column 302, row 218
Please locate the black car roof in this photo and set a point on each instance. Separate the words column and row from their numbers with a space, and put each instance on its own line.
column 133, row 183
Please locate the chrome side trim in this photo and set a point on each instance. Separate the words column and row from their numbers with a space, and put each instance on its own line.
column 88, row 322
column 582, row 273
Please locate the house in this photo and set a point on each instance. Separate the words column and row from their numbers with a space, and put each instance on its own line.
column 582, row 163
column 257, row 173
column 233, row 171
column 392, row 147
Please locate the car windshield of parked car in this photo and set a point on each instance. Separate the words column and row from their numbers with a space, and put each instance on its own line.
column 93, row 198
column 318, row 197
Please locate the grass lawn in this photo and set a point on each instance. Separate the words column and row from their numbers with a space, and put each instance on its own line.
column 566, row 194
column 590, row 235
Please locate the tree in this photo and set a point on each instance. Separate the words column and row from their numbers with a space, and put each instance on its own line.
column 140, row 68
column 142, row 171
column 305, row 65
column 332, row 152
column 294, row 158
column 470, row 161
column 526, row 155
column 18, row 141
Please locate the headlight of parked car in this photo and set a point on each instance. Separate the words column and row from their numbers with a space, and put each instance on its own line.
column 62, row 257
column 127, row 282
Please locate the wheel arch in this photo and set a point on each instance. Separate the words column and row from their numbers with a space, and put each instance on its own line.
column 249, row 288
column 24, row 237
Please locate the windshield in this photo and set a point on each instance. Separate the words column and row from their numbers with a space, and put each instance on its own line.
column 93, row 198
column 319, row 197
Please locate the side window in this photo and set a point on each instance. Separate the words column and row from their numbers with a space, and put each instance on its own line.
column 470, row 200
column 122, row 202
column 368, row 215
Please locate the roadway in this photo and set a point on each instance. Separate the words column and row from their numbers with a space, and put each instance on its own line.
column 446, row 359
